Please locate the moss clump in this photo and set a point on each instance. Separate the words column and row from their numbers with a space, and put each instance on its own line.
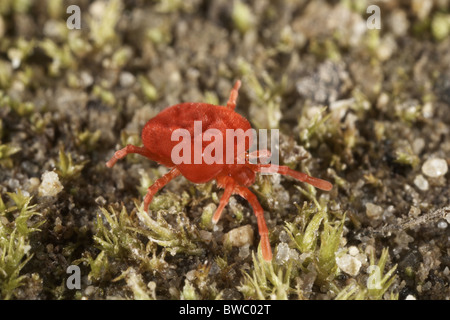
column 267, row 281
column 17, row 222
column 66, row 169
column 316, row 241
column 376, row 285
column 6, row 151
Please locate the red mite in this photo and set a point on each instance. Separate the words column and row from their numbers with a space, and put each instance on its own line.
column 234, row 178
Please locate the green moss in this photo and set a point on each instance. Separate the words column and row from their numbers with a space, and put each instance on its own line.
column 144, row 183
column 304, row 234
column 168, row 6
column 14, row 256
column 267, row 280
column 88, row 139
column 376, row 285
column 206, row 218
column 6, row 151
column 62, row 57
column 25, row 213
column 315, row 235
column 120, row 239
column 316, row 130
column 211, row 98
column 266, row 99
column 39, row 122
column 18, row 6
column 117, row 238
column 55, row 9
column 160, row 35
column 135, row 283
column 5, row 74
column 330, row 239
column 189, row 292
column 440, row 26
column 100, row 266
column 105, row 95
column 406, row 156
column 17, row 222
column 179, row 239
column 66, row 169
column 149, row 91
column 19, row 51
column 242, row 16
column 325, row 49
column 103, row 29
column 79, row 45
column 359, row 6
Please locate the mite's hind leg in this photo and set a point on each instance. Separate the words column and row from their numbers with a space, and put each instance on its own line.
column 259, row 213
column 229, row 185
column 158, row 185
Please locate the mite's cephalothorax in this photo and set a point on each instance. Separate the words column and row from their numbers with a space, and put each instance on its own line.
column 234, row 178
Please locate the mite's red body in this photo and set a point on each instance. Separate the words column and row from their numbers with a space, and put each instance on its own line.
column 234, row 178
column 157, row 134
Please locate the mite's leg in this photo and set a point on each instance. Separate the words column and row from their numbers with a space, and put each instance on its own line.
column 161, row 182
column 259, row 213
column 272, row 168
column 233, row 95
column 254, row 156
column 229, row 187
column 261, row 155
column 123, row 152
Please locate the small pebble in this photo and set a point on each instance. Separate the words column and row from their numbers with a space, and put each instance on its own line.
column 349, row 264
column 126, row 79
column 418, row 145
column 191, row 275
column 244, row 251
column 447, row 217
column 239, row 237
column 421, row 8
column 89, row 290
column 50, row 185
column 442, row 225
column 205, row 235
column 421, row 182
column 353, row 251
column 33, row 184
column 414, row 212
column 446, row 271
column 285, row 254
column 373, row 211
column 100, row 201
column 435, row 168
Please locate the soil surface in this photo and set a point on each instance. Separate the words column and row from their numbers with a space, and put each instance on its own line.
column 367, row 109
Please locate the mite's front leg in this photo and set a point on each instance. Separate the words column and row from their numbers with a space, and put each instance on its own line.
column 123, row 152
column 158, row 185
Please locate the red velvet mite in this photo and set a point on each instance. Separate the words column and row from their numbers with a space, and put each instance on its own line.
column 233, row 176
